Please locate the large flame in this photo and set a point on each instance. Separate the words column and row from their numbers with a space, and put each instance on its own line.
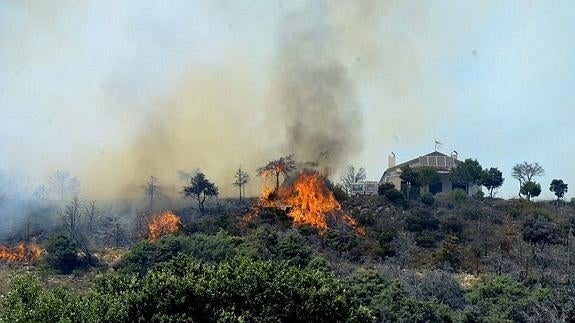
column 21, row 253
column 162, row 224
column 307, row 200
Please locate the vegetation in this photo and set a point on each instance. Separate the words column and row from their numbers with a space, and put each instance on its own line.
column 530, row 190
column 200, row 188
column 351, row 176
column 525, row 172
column 467, row 173
column 275, row 168
column 559, row 188
column 241, row 178
column 492, row 180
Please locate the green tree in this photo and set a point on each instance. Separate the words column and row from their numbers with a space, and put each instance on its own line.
column 409, row 176
column 525, row 172
column 61, row 254
column 559, row 188
column 467, row 173
column 531, row 189
column 427, row 176
column 201, row 188
column 492, row 179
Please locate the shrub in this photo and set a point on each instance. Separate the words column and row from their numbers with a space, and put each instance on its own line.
column 457, row 196
column 61, row 254
column 422, row 220
column 427, row 199
column 383, row 188
column 425, row 240
column 394, row 196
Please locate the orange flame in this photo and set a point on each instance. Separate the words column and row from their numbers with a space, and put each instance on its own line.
column 162, row 224
column 308, row 201
column 21, row 253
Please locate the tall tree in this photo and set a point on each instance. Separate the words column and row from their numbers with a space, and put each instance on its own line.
column 241, row 178
column 531, row 189
column 200, row 188
column 525, row 172
column 409, row 176
column 427, row 176
column 350, row 176
column 74, row 218
column 559, row 188
column 467, row 173
column 281, row 166
column 152, row 191
column 64, row 184
column 492, row 179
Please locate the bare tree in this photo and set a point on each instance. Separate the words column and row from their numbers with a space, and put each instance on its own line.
column 74, row 221
column 525, row 172
column 64, row 184
column 152, row 191
column 241, row 179
column 350, row 176
column 278, row 167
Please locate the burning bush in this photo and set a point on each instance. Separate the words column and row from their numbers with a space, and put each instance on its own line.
column 162, row 224
column 21, row 253
column 307, row 201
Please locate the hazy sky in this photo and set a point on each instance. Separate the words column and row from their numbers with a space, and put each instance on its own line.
column 90, row 86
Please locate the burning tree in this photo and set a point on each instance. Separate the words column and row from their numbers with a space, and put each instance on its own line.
column 281, row 166
column 241, row 179
column 162, row 224
column 201, row 188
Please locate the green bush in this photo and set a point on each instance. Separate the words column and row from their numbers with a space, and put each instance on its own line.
column 61, row 254
column 184, row 290
column 394, row 196
column 427, row 199
column 384, row 188
column 458, row 196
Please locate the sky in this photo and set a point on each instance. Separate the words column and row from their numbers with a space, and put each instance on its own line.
column 115, row 91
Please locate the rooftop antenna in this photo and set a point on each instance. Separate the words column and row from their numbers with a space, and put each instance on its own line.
column 437, row 143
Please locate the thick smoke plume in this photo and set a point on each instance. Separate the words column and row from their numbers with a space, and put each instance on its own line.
column 316, row 96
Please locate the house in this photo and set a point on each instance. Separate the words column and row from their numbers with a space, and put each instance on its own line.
column 441, row 162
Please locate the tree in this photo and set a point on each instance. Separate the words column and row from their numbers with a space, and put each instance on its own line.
column 525, row 172
column 530, row 189
column 559, row 188
column 409, row 176
column 467, row 173
column 200, row 187
column 427, row 176
column 352, row 175
column 278, row 167
column 63, row 184
column 492, row 179
column 241, row 179
column 74, row 218
column 152, row 191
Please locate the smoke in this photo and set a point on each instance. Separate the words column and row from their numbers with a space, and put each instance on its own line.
column 316, row 96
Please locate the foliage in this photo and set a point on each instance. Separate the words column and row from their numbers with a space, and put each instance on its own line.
column 525, row 172
column 421, row 221
column 539, row 230
column 531, row 189
column 492, row 179
column 457, row 196
column 239, row 289
column 427, row 176
column 338, row 191
column 559, row 188
column 281, row 166
column 409, row 176
column 467, row 173
column 427, row 199
column 501, row 298
column 383, row 188
column 61, row 254
column 394, row 196
column 201, row 188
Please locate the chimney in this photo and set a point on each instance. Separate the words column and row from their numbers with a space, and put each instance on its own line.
column 454, row 154
column 391, row 160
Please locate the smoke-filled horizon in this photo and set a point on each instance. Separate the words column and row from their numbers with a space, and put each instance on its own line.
column 117, row 92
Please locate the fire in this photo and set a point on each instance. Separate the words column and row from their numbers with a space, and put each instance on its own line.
column 21, row 253
column 308, row 200
column 162, row 224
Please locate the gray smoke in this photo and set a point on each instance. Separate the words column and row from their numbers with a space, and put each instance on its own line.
column 316, row 96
